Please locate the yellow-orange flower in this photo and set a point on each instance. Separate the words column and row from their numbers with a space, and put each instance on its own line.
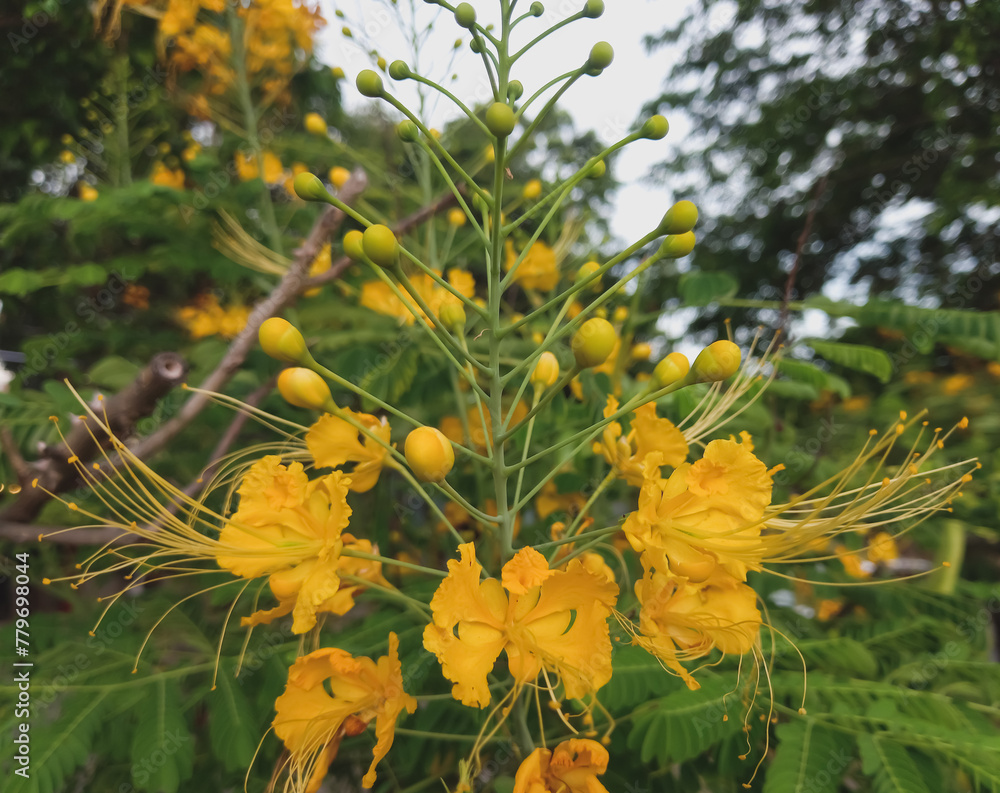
column 166, row 177
column 649, row 433
column 706, row 513
column 290, row 529
column 246, row 167
column 680, row 620
column 538, row 270
column 205, row 317
column 550, row 500
column 331, row 694
column 333, row 441
column 378, row 296
column 533, row 621
column 572, row 767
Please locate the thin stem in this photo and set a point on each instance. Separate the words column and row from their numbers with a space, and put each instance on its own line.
column 527, row 445
column 540, row 36
column 374, row 557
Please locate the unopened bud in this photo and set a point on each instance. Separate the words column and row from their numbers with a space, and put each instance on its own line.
column 308, row 187
column 586, row 271
column 304, row 389
column 429, row 454
column 675, row 246
column 380, row 245
column 280, row 339
column 353, row 245
column 717, row 361
column 671, row 369
column 593, row 342
column 641, row 351
column 680, row 218
column 546, row 371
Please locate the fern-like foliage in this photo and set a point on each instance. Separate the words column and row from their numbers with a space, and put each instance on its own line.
column 811, row 758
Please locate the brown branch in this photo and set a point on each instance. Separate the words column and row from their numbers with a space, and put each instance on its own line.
column 55, row 473
column 9, row 446
column 793, row 273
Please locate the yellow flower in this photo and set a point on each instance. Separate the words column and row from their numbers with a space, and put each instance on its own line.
column 377, row 296
column 539, row 268
column 706, row 513
column 289, row 529
column 854, row 565
column 315, row 124
column 532, row 190
column 339, row 176
column 648, row 433
column 533, row 621
column 550, row 500
column 87, row 193
column 205, row 317
column 456, row 217
column 166, row 177
column 680, row 620
column 333, row 441
column 957, row 383
column 331, row 694
column 882, row 548
column 572, row 767
column 246, row 167
column 322, row 263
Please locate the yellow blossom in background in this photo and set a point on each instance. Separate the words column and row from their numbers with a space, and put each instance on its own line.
column 828, row 608
column 572, row 767
column 680, row 620
column 456, row 217
column 882, row 548
column 533, row 621
column 246, row 167
column 627, row 454
column 136, row 296
column 330, row 694
column 87, row 193
column 190, row 152
column 334, row 442
column 377, row 295
column 480, row 427
column 550, row 500
column 319, row 265
column 532, row 190
column 166, row 177
column 705, row 514
column 957, row 383
column 315, row 124
column 339, row 176
column 539, row 269
column 853, row 564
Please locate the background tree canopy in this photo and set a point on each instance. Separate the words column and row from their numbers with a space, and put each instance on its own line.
column 871, row 126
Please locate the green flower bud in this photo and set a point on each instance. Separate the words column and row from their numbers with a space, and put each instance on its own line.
column 308, row 187
column 514, row 90
column 380, row 245
column 500, row 119
column 717, row 361
column 593, row 342
column 675, row 246
column 370, row 84
column 671, row 369
column 597, row 170
column 452, row 316
column 536, row 9
column 465, row 16
column 353, row 245
column 407, row 131
column 655, row 128
column 474, row 46
column 399, row 70
column 593, row 9
column 679, row 219
column 601, row 55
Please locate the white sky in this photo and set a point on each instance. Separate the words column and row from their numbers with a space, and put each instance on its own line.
column 608, row 104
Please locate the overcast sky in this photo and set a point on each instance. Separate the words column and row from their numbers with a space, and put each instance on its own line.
column 608, row 104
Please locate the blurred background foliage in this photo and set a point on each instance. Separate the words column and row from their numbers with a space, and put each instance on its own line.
column 845, row 157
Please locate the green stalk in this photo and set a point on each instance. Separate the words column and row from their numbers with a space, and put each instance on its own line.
column 250, row 122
